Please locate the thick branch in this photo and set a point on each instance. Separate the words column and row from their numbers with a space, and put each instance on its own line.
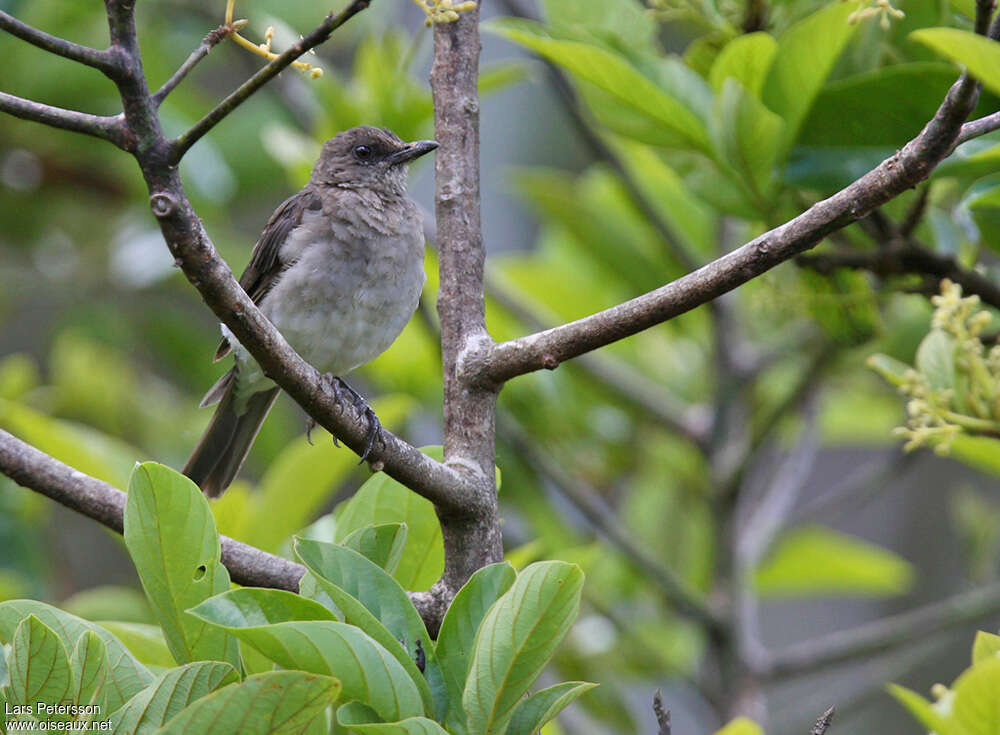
column 907, row 259
column 104, row 503
column 321, row 33
column 881, row 635
column 102, row 60
column 208, row 43
column 904, row 170
column 108, row 128
column 474, row 540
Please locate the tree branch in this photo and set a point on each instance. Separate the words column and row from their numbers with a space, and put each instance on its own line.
column 320, row 34
column 881, row 635
column 104, row 503
column 976, row 128
column 473, row 539
column 103, row 60
column 208, row 43
column 107, row 128
column 907, row 258
column 904, row 170
column 823, row 723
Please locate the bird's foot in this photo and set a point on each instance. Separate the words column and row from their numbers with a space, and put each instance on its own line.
column 310, row 425
column 340, row 388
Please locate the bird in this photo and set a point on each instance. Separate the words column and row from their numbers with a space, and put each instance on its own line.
column 338, row 269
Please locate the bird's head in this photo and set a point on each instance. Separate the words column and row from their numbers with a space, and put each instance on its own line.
column 367, row 157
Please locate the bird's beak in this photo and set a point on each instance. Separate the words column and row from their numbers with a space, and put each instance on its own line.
column 411, row 151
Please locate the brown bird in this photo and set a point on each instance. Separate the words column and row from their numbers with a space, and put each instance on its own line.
column 338, row 270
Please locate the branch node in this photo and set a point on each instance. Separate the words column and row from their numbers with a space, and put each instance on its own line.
column 550, row 361
column 163, row 205
column 823, row 722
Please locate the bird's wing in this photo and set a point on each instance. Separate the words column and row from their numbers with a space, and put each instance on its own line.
column 265, row 267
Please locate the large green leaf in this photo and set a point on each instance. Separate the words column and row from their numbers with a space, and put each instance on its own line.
column 367, row 671
column 885, row 107
column 747, row 135
column 816, row 560
column 89, row 665
column 923, row 711
column 128, row 676
column 382, row 544
column 372, row 600
column 174, row 690
column 145, row 642
column 384, row 500
column 533, row 712
column 275, row 703
column 39, row 669
column 612, row 73
column 936, row 359
column 978, row 54
column 747, row 59
column 358, row 719
column 252, row 606
column 986, row 647
column 457, row 636
column 171, row 537
column 806, row 54
column 516, row 639
column 741, row 726
column 976, row 709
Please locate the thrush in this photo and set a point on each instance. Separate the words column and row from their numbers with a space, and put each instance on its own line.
column 338, row 269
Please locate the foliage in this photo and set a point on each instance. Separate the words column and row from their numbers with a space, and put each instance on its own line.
column 970, row 705
column 357, row 652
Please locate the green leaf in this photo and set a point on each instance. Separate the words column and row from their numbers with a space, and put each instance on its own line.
column 170, row 535
column 976, row 709
column 457, row 636
column 275, row 703
column 747, row 59
column 516, row 639
column 89, row 664
column 986, row 647
column 174, row 690
column 383, row 500
column 747, row 135
column 252, row 606
column 39, row 668
column 533, row 712
column 978, row 54
column 884, row 107
column 981, row 452
column 891, row 369
column 923, row 711
column 611, row 73
column 815, row 560
column 625, row 23
column 145, row 642
column 806, row 54
column 381, row 544
column 128, row 676
column 372, row 600
column 358, row 719
column 366, row 670
column 936, row 359
column 741, row 726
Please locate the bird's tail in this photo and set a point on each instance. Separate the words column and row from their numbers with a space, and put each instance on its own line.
column 224, row 446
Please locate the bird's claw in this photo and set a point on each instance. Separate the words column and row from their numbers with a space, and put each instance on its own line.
column 339, row 388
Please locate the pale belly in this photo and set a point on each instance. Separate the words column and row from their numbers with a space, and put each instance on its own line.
column 340, row 310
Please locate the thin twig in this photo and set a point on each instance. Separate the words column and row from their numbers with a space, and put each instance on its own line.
column 823, row 722
column 211, row 40
column 882, row 635
column 322, row 32
column 895, row 260
column 978, row 127
column 103, row 60
column 662, row 714
column 107, row 128
column 591, row 505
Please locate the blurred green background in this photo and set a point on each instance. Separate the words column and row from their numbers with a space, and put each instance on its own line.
column 670, row 437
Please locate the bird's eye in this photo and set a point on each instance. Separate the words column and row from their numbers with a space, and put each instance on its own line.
column 362, row 152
